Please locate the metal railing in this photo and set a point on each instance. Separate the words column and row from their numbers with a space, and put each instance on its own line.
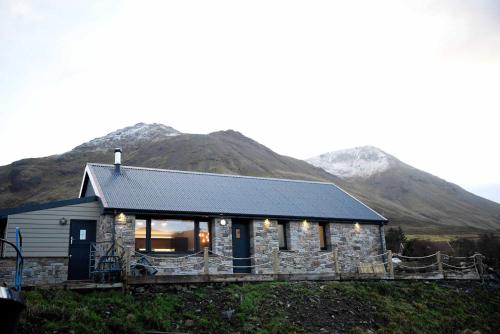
column 105, row 261
column 18, row 247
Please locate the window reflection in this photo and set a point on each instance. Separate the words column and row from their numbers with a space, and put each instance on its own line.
column 140, row 235
column 172, row 235
column 204, row 235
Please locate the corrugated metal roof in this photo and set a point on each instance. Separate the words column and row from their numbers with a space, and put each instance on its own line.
column 192, row 192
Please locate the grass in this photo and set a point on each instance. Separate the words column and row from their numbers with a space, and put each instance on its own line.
column 441, row 237
column 350, row 307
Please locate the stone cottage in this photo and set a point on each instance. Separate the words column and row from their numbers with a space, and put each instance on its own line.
column 172, row 219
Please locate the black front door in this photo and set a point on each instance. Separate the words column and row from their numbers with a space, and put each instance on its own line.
column 241, row 246
column 81, row 234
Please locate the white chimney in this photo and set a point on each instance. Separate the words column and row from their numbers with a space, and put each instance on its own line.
column 118, row 159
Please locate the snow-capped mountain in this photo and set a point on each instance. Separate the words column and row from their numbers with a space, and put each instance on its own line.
column 132, row 134
column 421, row 202
column 363, row 161
column 406, row 194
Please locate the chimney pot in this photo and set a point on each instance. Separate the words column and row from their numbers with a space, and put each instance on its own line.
column 118, row 159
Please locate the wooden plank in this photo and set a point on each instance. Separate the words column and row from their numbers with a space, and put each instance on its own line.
column 219, row 278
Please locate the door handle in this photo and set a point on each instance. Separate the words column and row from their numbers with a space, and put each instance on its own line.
column 71, row 240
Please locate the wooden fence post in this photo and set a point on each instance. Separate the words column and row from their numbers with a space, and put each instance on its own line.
column 276, row 261
column 478, row 259
column 439, row 263
column 390, row 264
column 336, row 260
column 127, row 261
column 205, row 261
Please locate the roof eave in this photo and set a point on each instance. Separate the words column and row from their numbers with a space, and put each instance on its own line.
column 94, row 183
column 240, row 215
column 44, row 206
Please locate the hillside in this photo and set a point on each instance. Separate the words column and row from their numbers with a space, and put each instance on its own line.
column 59, row 176
column 419, row 201
column 271, row 307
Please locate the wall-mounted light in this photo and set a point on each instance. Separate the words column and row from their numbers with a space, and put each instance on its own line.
column 267, row 224
column 223, row 222
column 121, row 218
column 305, row 225
column 357, row 227
column 63, row 221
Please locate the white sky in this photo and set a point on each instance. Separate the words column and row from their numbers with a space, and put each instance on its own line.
column 419, row 79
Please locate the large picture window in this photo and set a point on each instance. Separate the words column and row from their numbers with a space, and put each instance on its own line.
column 171, row 235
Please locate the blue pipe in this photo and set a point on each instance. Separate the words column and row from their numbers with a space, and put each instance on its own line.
column 19, row 262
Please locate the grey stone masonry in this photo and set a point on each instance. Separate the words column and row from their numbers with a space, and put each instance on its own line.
column 355, row 243
column 304, row 254
column 263, row 238
column 222, row 246
column 125, row 232
column 104, row 230
column 37, row 270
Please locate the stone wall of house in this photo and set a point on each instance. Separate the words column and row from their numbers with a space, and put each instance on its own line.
column 104, row 230
column 172, row 264
column 263, row 239
column 304, row 254
column 355, row 243
column 36, row 270
column 219, row 257
column 222, row 247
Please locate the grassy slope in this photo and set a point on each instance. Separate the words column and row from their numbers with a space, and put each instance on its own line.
column 345, row 307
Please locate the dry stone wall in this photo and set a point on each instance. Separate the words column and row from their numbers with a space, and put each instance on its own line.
column 37, row 270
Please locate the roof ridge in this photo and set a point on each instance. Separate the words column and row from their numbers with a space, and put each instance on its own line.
column 214, row 174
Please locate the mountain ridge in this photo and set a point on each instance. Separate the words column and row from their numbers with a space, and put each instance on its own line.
column 420, row 195
column 396, row 195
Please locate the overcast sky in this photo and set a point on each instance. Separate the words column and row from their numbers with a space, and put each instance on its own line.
column 419, row 79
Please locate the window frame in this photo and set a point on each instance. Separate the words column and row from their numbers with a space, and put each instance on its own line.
column 196, row 231
column 285, row 239
column 325, row 239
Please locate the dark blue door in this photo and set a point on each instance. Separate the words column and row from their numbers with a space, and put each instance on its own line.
column 81, row 234
column 241, row 246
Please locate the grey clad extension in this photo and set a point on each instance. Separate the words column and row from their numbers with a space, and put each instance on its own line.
column 163, row 216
